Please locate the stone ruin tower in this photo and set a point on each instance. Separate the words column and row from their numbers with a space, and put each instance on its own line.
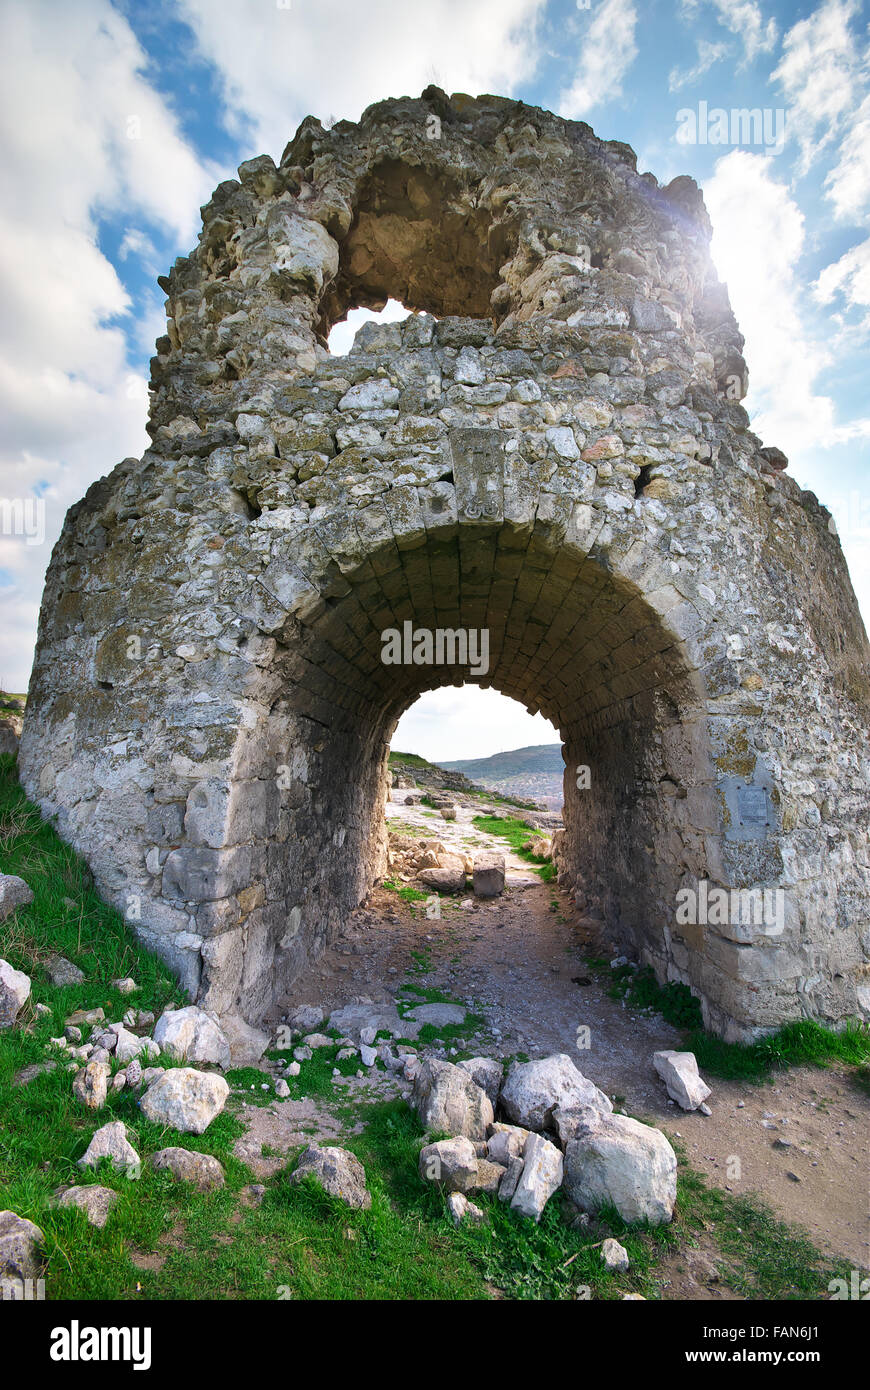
column 552, row 448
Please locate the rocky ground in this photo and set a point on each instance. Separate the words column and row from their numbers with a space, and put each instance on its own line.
column 182, row 1136
column 799, row 1141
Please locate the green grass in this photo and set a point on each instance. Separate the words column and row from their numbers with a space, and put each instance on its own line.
column 409, row 760
column 67, row 917
column 406, row 891
column 517, row 833
column 797, row 1044
column 674, row 1001
column 397, row 761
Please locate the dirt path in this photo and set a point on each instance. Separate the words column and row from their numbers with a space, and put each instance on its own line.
column 800, row 1141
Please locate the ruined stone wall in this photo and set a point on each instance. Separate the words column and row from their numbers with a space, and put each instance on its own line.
column 553, row 450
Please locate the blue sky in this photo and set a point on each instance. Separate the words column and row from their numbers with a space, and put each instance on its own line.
column 118, row 119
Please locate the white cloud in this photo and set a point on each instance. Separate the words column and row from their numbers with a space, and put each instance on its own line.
column 744, row 18
column 608, row 49
column 757, row 246
column 453, row 723
column 136, row 243
column 72, row 95
column 821, row 74
column 758, row 240
column 335, row 57
column 708, row 54
column 849, row 276
column 848, row 183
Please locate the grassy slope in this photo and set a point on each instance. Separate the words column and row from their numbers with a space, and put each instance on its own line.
column 483, row 793
column 299, row 1243
column 517, row 833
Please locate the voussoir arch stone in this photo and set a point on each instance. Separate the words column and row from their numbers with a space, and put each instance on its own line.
column 550, row 449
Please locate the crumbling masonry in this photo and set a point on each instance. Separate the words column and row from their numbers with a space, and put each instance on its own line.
column 553, row 450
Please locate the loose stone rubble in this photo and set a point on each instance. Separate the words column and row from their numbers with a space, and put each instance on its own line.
column 63, row 972
column 533, row 1090
column 614, row 1256
column 552, row 450
column 91, row 1085
column 626, row 1164
column 448, row 1100
column 111, row 1142
column 601, row 1159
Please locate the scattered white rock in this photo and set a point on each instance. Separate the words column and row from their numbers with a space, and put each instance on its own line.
column 247, row 1044
column 202, row 1171
column 614, row 1256
column 679, row 1071
column 14, row 988
column 63, row 972
column 112, row 1142
column 447, row 1100
column 452, row 1163
column 20, row 1242
column 192, row 1035
column 91, row 1085
column 126, row 986
column 96, row 1202
column 305, row 1017
column 186, row 1099
column 461, row 1209
column 506, row 1142
column 338, row 1172
column 14, row 893
column 350, row 1021
column 540, row 1178
column 508, row 1185
column 488, row 874
column 485, row 1073
column 532, row 1091
column 130, row 1045
column 626, row 1164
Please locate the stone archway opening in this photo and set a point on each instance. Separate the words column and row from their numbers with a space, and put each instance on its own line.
column 550, row 449
column 343, row 333
column 413, row 238
column 545, row 625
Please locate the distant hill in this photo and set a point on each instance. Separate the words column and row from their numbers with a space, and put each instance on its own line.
column 535, row 773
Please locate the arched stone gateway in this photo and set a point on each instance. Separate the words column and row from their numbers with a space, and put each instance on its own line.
column 558, row 457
